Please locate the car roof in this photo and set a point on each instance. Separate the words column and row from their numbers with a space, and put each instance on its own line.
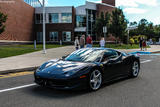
column 98, row 49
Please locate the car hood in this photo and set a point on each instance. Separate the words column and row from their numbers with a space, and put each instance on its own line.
column 61, row 68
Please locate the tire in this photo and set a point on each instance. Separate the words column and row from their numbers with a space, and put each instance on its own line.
column 135, row 69
column 95, row 80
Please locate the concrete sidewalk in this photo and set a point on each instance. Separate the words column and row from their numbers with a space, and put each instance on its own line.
column 32, row 60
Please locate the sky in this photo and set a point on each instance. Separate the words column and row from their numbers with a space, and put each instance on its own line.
column 134, row 10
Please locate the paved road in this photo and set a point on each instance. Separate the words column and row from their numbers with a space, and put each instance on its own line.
column 143, row 91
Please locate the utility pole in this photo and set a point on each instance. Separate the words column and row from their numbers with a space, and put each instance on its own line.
column 44, row 29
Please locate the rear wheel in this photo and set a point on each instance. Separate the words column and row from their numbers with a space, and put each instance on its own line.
column 135, row 69
column 95, row 80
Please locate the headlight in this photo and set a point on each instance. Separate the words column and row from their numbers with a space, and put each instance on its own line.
column 67, row 74
column 38, row 70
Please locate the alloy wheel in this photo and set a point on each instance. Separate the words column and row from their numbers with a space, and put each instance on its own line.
column 95, row 80
column 135, row 69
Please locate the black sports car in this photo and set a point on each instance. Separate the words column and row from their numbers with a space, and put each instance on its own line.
column 87, row 68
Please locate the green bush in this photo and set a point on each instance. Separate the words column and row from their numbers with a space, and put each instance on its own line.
column 154, row 40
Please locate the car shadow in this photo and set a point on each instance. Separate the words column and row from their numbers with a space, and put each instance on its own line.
column 53, row 93
column 45, row 92
column 115, row 82
column 121, row 80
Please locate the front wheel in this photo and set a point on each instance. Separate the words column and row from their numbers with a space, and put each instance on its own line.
column 95, row 80
column 135, row 69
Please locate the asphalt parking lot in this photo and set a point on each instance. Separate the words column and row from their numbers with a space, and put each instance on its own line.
column 143, row 91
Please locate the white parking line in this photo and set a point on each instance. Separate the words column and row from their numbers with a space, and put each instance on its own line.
column 143, row 59
column 15, row 88
column 146, row 61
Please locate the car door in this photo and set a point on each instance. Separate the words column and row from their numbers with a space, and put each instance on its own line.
column 126, row 65
column 112, row 66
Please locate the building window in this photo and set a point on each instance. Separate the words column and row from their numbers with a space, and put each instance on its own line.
column 39, row 18
column 66, row 18
column 91, row 20
column 80, row 21
column 39, row 36
column 66, row 36
column 53, row 36
column 34, row 3
column 53, row 18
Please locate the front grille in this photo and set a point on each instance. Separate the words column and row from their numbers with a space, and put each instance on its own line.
column 54, row 82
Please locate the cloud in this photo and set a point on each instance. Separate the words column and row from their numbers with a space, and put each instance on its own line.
column 134, row 11
column 130, row 3
column 136, row 3
column 95, row 1
column 148, row 2
column 156, row 20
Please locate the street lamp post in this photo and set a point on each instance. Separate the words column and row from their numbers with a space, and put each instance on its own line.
column 128, row 37
column 44, row 29
column 105, row 31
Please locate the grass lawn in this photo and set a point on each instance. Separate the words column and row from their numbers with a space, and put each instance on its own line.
column 13, row 50
column 123, row 46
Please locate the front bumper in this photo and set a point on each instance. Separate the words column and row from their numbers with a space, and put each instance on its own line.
column 66, row 84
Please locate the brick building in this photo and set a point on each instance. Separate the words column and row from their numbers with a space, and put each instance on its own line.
column 62, row 23
column 20, row 22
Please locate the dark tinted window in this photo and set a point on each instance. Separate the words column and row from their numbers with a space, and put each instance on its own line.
column 109, row 54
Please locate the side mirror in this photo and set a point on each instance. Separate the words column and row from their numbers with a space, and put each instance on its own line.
column 63, row 57
column 108, row 62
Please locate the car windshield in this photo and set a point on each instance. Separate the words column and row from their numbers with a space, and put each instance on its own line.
column 86, row 55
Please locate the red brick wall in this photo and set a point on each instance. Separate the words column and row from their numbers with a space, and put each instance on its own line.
column 104, row 9
column 20, row 22
column 111, row 2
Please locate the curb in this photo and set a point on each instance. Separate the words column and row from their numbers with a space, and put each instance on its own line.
column 144, row 53
column 18, row 70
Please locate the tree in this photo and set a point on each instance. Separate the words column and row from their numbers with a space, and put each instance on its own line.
column 157, row 31
column 102, row 21
column 3, row 19
column 107, row 19
column 146, row 28
column 118, row 24
column 133, row 23
column 150, row 30
column 142, row 27
column 133, row 32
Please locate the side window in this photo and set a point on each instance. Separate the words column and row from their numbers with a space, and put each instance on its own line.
column 109, row 54
column 114, row 54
